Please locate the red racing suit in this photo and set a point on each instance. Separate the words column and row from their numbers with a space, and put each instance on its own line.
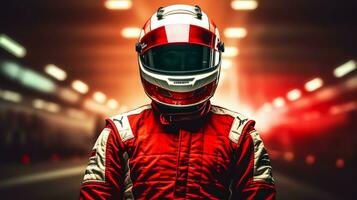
column 220, row 156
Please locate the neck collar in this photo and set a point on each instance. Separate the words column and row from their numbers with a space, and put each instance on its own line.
column 173, row 116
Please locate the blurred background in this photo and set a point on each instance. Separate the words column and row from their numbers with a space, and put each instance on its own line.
column 66, row 65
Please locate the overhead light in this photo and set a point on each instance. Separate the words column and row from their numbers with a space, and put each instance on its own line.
column 80, row 86
column 131, row 32
column 52, row 107
column 230, row 51
column 28, row 77
column 99, row 97
column 279, row 102
column 294, row 95
column 37, row 81
column 11, row 96
column 12, row 46
column 226, row 63
column 38, row 103
column 345, row 69
column 55, row 72
column 244, row 4
column 11, row 69
column 235, row 32
column 45, row 105
column 112, row 104
column 118, row 4
column 313, row 84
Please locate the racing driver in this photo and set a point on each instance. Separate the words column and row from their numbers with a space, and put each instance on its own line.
column 179, row 146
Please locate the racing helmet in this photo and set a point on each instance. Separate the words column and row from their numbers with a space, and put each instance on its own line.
column 179, row 55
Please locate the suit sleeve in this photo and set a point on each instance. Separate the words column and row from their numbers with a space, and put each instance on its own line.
column 252, row 174
column 103, row 177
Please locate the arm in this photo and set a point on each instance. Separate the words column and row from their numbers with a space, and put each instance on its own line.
column 103, row 177
column 252, row 171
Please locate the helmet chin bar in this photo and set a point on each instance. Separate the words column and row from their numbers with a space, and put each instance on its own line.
column 179, row 99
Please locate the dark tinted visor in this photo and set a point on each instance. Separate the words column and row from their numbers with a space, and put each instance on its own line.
column 179, row 58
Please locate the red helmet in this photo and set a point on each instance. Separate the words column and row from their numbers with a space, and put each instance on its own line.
column 179, row 55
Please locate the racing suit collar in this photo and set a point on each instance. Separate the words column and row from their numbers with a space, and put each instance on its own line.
column 176, row 116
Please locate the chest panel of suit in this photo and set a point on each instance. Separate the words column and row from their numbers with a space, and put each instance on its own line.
column 181, row 156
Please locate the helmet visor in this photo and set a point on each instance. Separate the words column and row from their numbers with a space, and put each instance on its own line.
column 179, row 58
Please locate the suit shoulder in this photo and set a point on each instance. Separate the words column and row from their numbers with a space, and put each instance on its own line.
column 122, row 124
column 239, row 124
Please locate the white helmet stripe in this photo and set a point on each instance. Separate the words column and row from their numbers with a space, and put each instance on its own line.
column 180, row 33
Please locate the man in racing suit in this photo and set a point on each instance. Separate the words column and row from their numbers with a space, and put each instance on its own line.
column 179, row 146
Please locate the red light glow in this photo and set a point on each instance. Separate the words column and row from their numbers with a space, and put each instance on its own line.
column 310, row 159
column 55, row 157
column 338, row 109
column 25, row 159
column 340, row 163
column 289, row 156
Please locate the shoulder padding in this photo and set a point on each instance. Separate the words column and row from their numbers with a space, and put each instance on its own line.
column 122, row 123
column 239, row 124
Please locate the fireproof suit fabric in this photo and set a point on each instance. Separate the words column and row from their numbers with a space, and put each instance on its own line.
column 220, row 156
